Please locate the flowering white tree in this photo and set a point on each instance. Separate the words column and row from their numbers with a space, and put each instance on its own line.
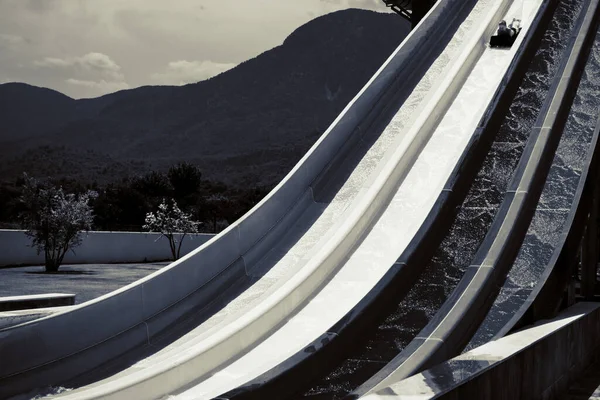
column 171, row 222
column 54, row 220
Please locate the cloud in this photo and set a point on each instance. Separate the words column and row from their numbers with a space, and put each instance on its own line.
column 102, row 85
column 366, row 4
column 53, row 62
column 90, row 75
column 100, row 62
column 7, row 40
column 41, row 6
column 376, row 5
column 182, row 71
column 93, row 62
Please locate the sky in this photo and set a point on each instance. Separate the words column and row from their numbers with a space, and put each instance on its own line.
column 87, row 48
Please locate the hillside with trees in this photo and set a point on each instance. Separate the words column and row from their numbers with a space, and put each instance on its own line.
column 245, row 127
column 216, row 147
column 123, row 205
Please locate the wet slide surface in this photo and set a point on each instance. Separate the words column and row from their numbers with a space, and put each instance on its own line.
column 473, row 219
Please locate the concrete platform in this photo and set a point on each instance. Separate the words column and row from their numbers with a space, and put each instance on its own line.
column 86, row 281
column 12, row 318
column 26, row 302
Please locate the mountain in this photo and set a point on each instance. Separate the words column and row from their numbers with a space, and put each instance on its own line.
column 248, row 125
column 28, row 110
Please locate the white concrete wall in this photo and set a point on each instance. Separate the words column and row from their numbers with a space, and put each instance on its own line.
column 98, row 247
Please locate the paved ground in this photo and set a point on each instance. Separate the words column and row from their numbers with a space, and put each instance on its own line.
column 86, row 281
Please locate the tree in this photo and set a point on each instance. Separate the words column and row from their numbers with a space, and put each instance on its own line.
column 121, row 207
column 152, row 184
column 9, row 202
column 185, row 179
column 170, row 221
column 216, row 206
column 54, row 220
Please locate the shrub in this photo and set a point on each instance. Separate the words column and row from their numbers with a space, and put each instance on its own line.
column 54, row 220
column 170, row 221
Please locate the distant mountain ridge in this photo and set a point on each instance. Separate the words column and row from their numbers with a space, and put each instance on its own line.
column 248, row 125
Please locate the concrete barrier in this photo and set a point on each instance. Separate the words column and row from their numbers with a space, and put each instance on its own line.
column 537, row 363
column 98, row 248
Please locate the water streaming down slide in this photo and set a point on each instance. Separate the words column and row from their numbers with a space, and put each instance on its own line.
column 473, row 220
column 551, row 221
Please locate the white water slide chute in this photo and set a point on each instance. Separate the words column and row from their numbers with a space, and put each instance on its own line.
column 306, row 254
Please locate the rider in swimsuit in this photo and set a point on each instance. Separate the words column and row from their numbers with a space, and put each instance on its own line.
column 506, row 34
column 509, row 31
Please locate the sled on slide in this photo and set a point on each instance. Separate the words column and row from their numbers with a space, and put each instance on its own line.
column 506, row 35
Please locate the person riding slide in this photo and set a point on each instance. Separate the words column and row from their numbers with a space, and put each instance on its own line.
column 507, row 34
column 511, row 30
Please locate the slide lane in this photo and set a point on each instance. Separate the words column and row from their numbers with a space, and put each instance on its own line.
column 558, row 223
column 206, row 347
column 455, row 322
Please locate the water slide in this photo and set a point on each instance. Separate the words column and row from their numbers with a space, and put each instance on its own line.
column 307, row 254
column 451, row 316
column 480, row 73
column 483, row 170
column 276, row 256
column 533, row 286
